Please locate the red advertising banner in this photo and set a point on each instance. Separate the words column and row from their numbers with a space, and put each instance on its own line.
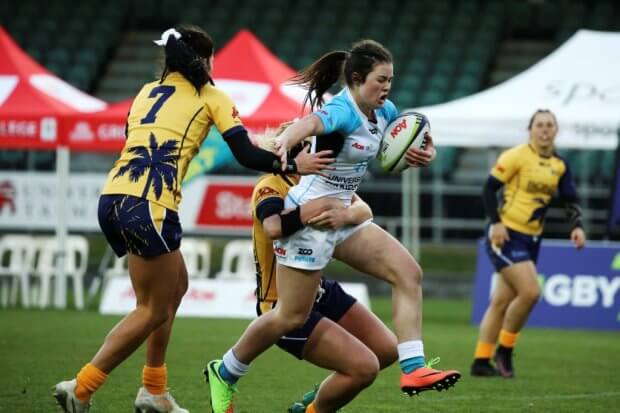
column 102, row 131
column 29, row 131
column 226, row 206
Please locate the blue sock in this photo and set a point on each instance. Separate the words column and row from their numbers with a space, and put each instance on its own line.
column 411, row 364
column 227, row 376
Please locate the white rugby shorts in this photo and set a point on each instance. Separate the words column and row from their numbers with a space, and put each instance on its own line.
column 312, row 249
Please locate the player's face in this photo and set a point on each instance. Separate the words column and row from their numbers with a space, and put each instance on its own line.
column 374, row 91
column 543, row 131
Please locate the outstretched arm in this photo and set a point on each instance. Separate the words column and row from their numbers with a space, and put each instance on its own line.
column 249, row 155
column 258, row 159
column 309, row 125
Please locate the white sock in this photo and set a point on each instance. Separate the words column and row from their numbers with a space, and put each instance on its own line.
column 410, row 349
column 233, row 365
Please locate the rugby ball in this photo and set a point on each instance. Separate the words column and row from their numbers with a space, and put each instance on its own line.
column 407, row 130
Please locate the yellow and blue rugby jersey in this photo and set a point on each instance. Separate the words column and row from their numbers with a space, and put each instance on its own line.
column 268, row 186
column 166, row 125
column 530, row 182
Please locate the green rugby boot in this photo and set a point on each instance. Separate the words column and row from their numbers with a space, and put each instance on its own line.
column 222, row 393
column 300, row 407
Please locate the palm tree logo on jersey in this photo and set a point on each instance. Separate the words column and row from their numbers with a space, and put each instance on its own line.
column 160, row 162
column 539, row 213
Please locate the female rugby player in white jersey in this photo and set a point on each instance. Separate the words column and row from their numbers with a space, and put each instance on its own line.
column 351, row 124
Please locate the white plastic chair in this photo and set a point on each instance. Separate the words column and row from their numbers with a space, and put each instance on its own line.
column 196, row 254
column 18, row 251
column 75, row 263
column 241, row 253
column 105, row 271
column 197, row 257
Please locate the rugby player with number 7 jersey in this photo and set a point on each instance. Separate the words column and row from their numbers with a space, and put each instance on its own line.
column 167, row 123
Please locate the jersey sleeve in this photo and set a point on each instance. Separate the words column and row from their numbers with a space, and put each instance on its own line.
column 507, row 165
column 566, row 186
column 268, row 191
column 223, row 112
column 338, row 116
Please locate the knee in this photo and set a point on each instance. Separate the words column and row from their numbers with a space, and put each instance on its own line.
column 160, row 317
column 295, row 322
column 365, row 370
column 406, row 273
column 387, row 356
column 499, row 305
column 289, row 321
column 385, row 349
column 155, row 316
column 530, row 294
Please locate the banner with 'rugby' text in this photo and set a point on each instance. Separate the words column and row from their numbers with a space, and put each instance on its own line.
column 579, row 288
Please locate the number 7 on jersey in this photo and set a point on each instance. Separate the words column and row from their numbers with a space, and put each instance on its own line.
column 165, row 91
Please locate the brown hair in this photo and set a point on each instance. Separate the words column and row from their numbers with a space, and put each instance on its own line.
column 320, row 75
column 539, row 111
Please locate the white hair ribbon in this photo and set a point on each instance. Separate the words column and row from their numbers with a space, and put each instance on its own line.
column 166, row 35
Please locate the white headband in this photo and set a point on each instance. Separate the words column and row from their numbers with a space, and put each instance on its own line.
column 166, row 35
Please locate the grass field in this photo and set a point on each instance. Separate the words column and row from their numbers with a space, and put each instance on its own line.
column 558, row 371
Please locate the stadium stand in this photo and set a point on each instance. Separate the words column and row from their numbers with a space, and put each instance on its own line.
column 443, row 49
column 474, row 43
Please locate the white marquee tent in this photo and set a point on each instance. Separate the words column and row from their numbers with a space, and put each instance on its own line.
column 579, row 81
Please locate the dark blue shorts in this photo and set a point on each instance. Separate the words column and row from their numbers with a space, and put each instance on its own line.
column 521, row 247
column 135, row 225
column 332, row 302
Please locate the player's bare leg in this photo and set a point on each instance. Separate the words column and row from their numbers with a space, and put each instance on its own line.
column 365, row 326
column 493, row 317
column 154, row 394
column 373, row 251
column 490, row 327
column 297, row 291
column 155, row 282
column 296, row 294
column 523, row 279
column 371, row 331
column 355, row 366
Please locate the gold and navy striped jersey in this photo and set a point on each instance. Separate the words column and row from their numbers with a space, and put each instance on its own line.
column 166, row 125
column 268, row 186
column 530, row 181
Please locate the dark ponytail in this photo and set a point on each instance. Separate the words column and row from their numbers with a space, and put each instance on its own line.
column 320, row 76
column 329, row 68
column 185, row 55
